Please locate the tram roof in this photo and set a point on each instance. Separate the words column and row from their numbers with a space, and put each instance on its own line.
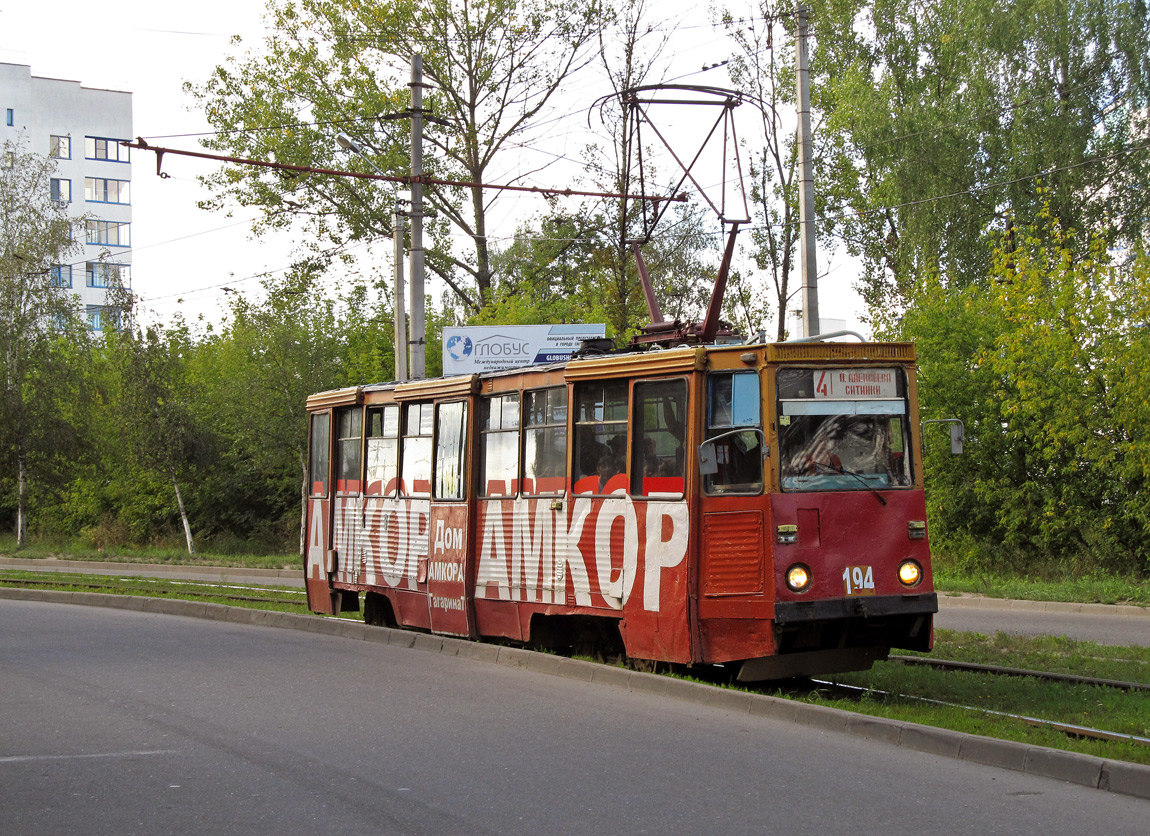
column 626, row 364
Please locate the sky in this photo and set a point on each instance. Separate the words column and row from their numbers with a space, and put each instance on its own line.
column 186, row 260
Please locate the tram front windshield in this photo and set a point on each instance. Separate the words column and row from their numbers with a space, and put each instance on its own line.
column 843, row 429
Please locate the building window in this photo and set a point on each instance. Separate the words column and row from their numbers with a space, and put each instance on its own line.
column 98, row 148
column 100, row 317
column 61, row 190
column 60, row 147
column 61, row 275
column 102, row 274
column 109, row 232
column 11, row 118
column 101, row 190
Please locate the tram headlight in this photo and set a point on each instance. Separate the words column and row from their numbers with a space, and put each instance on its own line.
column 910, row 573
column 798, row 578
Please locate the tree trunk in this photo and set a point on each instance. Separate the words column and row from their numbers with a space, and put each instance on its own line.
column 22, row 500
column 183, row 515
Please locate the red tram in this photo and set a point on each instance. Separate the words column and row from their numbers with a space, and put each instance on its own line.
column 754, row 505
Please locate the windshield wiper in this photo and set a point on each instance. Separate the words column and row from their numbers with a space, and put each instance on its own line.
column 857, row 476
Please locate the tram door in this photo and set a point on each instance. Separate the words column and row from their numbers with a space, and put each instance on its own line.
column 319, row 562
column 736, row 578
column 449, row 546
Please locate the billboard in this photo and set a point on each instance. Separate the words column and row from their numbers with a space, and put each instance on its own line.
column 487, row 348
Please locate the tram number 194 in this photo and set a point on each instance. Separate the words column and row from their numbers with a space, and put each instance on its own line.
column 858, row 580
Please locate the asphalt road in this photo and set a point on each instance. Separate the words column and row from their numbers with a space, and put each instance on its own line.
column 1104, row 625
column 123, row 723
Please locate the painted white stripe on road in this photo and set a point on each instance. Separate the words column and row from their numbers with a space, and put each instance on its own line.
column 22, row 758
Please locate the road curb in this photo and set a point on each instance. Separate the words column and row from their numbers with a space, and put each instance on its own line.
column 1084, row 770
column 965, row 601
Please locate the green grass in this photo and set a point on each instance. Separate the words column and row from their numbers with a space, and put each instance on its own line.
column 1092, row 589
column 159, row 556
column 266, row 597
column 1108, row 709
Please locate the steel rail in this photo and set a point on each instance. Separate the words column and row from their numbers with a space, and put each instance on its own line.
column 1074, row 679
column 1069, row 729
column 111, row 588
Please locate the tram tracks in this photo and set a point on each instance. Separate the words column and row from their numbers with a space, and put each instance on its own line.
column 164, row 588
column 1069, row 729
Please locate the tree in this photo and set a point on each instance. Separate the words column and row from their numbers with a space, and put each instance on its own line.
column 157, row 417
column 549, row 273
column 1047, row 365
column 767, row 73
column 492, row 67
column 945, row 114
column 258, row 372
column 39, row 321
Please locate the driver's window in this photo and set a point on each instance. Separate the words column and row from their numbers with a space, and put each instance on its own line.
column 734, row 421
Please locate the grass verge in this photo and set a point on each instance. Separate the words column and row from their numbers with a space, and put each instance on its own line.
column 1092, row 589
column 157, row 556
column 977, row 696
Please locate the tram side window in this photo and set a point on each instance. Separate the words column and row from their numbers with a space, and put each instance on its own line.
column 499, row 450
column 734, row 419
column 418, row 421
column 382, row 450
column 320, row 453
column 349, row 449
column 545, row 441
column 450, row 442
column 658, row 439
column 601, row 437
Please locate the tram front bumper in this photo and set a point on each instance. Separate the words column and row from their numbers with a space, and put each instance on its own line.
column 833, row 609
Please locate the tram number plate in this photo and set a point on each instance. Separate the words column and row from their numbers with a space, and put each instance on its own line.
column 858, row 580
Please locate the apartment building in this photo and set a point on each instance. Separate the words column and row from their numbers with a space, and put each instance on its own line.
column 81, row 129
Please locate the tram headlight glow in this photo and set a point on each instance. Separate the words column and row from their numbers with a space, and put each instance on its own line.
column 910, row 573
column 798, row 578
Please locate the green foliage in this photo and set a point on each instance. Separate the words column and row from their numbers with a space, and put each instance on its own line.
column 1048, row 364
column 340, row 65
column 941, row 115
column 41, row 342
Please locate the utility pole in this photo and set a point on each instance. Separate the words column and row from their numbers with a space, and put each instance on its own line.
column 400, row 308
column 418, row 316
column 807, row 247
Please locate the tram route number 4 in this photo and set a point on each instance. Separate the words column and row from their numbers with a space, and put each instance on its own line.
column 858, row 580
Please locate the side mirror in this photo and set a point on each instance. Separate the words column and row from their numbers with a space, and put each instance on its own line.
column 957, row 433
column 709, row 464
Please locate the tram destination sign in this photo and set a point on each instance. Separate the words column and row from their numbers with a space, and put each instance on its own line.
column 853, row 384
column 488, row 348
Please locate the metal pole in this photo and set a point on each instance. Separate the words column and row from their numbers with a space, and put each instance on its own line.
column 400, row 308
column 418, row 318
column 807, row 247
